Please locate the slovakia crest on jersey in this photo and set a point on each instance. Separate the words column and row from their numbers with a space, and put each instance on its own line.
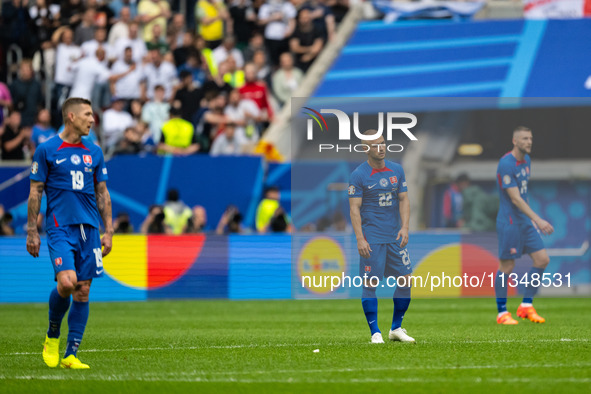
column 393, row 180
column 87, row 160
column 58, row 261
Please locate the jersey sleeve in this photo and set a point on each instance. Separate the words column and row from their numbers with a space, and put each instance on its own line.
column 506, row 176
column 355, row 186
column 39, row 167
column 100, row 174
column 402, row 182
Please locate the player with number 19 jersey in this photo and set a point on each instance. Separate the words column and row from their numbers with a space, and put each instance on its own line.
column 70, row 172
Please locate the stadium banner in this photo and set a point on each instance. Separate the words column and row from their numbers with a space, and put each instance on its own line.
column 395, row 10
column 142, row 268
column 556, row 9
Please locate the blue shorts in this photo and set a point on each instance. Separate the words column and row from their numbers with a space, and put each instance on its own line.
column 77, row 248
column 518, row 239
column 385, row 260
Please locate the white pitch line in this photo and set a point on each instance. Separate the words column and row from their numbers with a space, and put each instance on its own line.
column 254, row 345
column 127, row 378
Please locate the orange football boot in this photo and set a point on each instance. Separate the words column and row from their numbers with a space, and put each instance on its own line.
column 529, row 313
column 506, row 319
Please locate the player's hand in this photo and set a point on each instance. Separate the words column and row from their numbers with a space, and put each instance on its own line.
column 363, row 248
column 545, row 227
column 403, row 236
column 107, row 243
column 33, row 243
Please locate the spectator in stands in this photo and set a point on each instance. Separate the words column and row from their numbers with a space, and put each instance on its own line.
column 138, row 46
column 115, row 121
column 256, row 91
column 5, row 100
column 156, row 112
column 322, row 17
column 245, row 114
column 306, row 42
column 158, row 42
column 278, row 18
column 71, row 12
column 269, row 209
column 100, row 40
column 194, row 66
column 188, row 96
column 66, row 54
column 217, row 85
column 26, row 94
column 15, row 138
column 287, row 79
column 117, row 7
column 210, row 119
column 159, row 72
column 230, row 221
column 153, row 12
column 453, row 202
column 176, row 31
column 210, row 16
column 126, row 77
column 263, row 68
column 176, row 212
column 339, row 9
column 186, row 48
column 17, row 27
column 148, row 143
column 46, row 19
column 228, row 49
column 256, row 43
column 88, row 73
column 233, row 75
column 244, row 20
column 122, row 224
column 130, row 143
column 85, row 30
column 197, row 223
column 42, row 130
column 5, row 222
column 154, row 222
column 178, row 136
column 227, row 143
column 105, row 17
column 121, row 28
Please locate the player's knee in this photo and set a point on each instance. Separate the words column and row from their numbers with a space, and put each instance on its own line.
column 506, row 266
column 66, row 286
column 542, row 261
column 368, row 292
column 81, row 292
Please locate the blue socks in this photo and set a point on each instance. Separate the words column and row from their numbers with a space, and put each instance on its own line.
column 530, row 291
column 401, row 302
column 77, row 319
column 501, row 291
column 58, row 307
column 370, row 308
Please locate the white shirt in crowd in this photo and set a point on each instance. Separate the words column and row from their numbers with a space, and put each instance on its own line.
column 65, row 57
column 220, row 54
column 164, row 75
column 224, row 146
column 155, row 114
column 89, row 49
column 114, row 124
column 119, row 31
column 87, row 72
column 127, row 87
column 238, row 114
column 138, row 48
column 276, row 30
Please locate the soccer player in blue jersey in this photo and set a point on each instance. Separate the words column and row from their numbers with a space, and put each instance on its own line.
column 380, row 214
column 518, row 228
column 73, row 175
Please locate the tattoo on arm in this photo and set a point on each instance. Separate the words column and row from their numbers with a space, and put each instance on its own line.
column 103, row 203
column 34, row 204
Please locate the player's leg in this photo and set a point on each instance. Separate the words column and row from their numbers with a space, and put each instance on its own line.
column 62, row 259
column 77, row 319
column 372, row 270
column 398, row 265
column 539, row 255
column 510, row 246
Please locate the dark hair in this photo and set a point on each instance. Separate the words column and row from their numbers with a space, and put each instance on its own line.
column 463, row 177
column 521, row 128
column 72, row 102
column 172, row 195
column 271, row 189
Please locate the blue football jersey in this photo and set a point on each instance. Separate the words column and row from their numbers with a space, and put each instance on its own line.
column 380, row 215
column 69, row 172
column 512, row 173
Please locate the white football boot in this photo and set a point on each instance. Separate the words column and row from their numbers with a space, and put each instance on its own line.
column 377, row 338
column 399, row 334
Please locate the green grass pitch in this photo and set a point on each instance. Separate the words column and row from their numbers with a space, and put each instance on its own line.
column 267, row 346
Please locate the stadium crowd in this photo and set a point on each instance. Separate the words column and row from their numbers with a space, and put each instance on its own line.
column 206, row 81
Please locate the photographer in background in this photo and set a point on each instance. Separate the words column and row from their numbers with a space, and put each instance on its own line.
column 230, row 221
column 122, row 224
column 154, row 222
